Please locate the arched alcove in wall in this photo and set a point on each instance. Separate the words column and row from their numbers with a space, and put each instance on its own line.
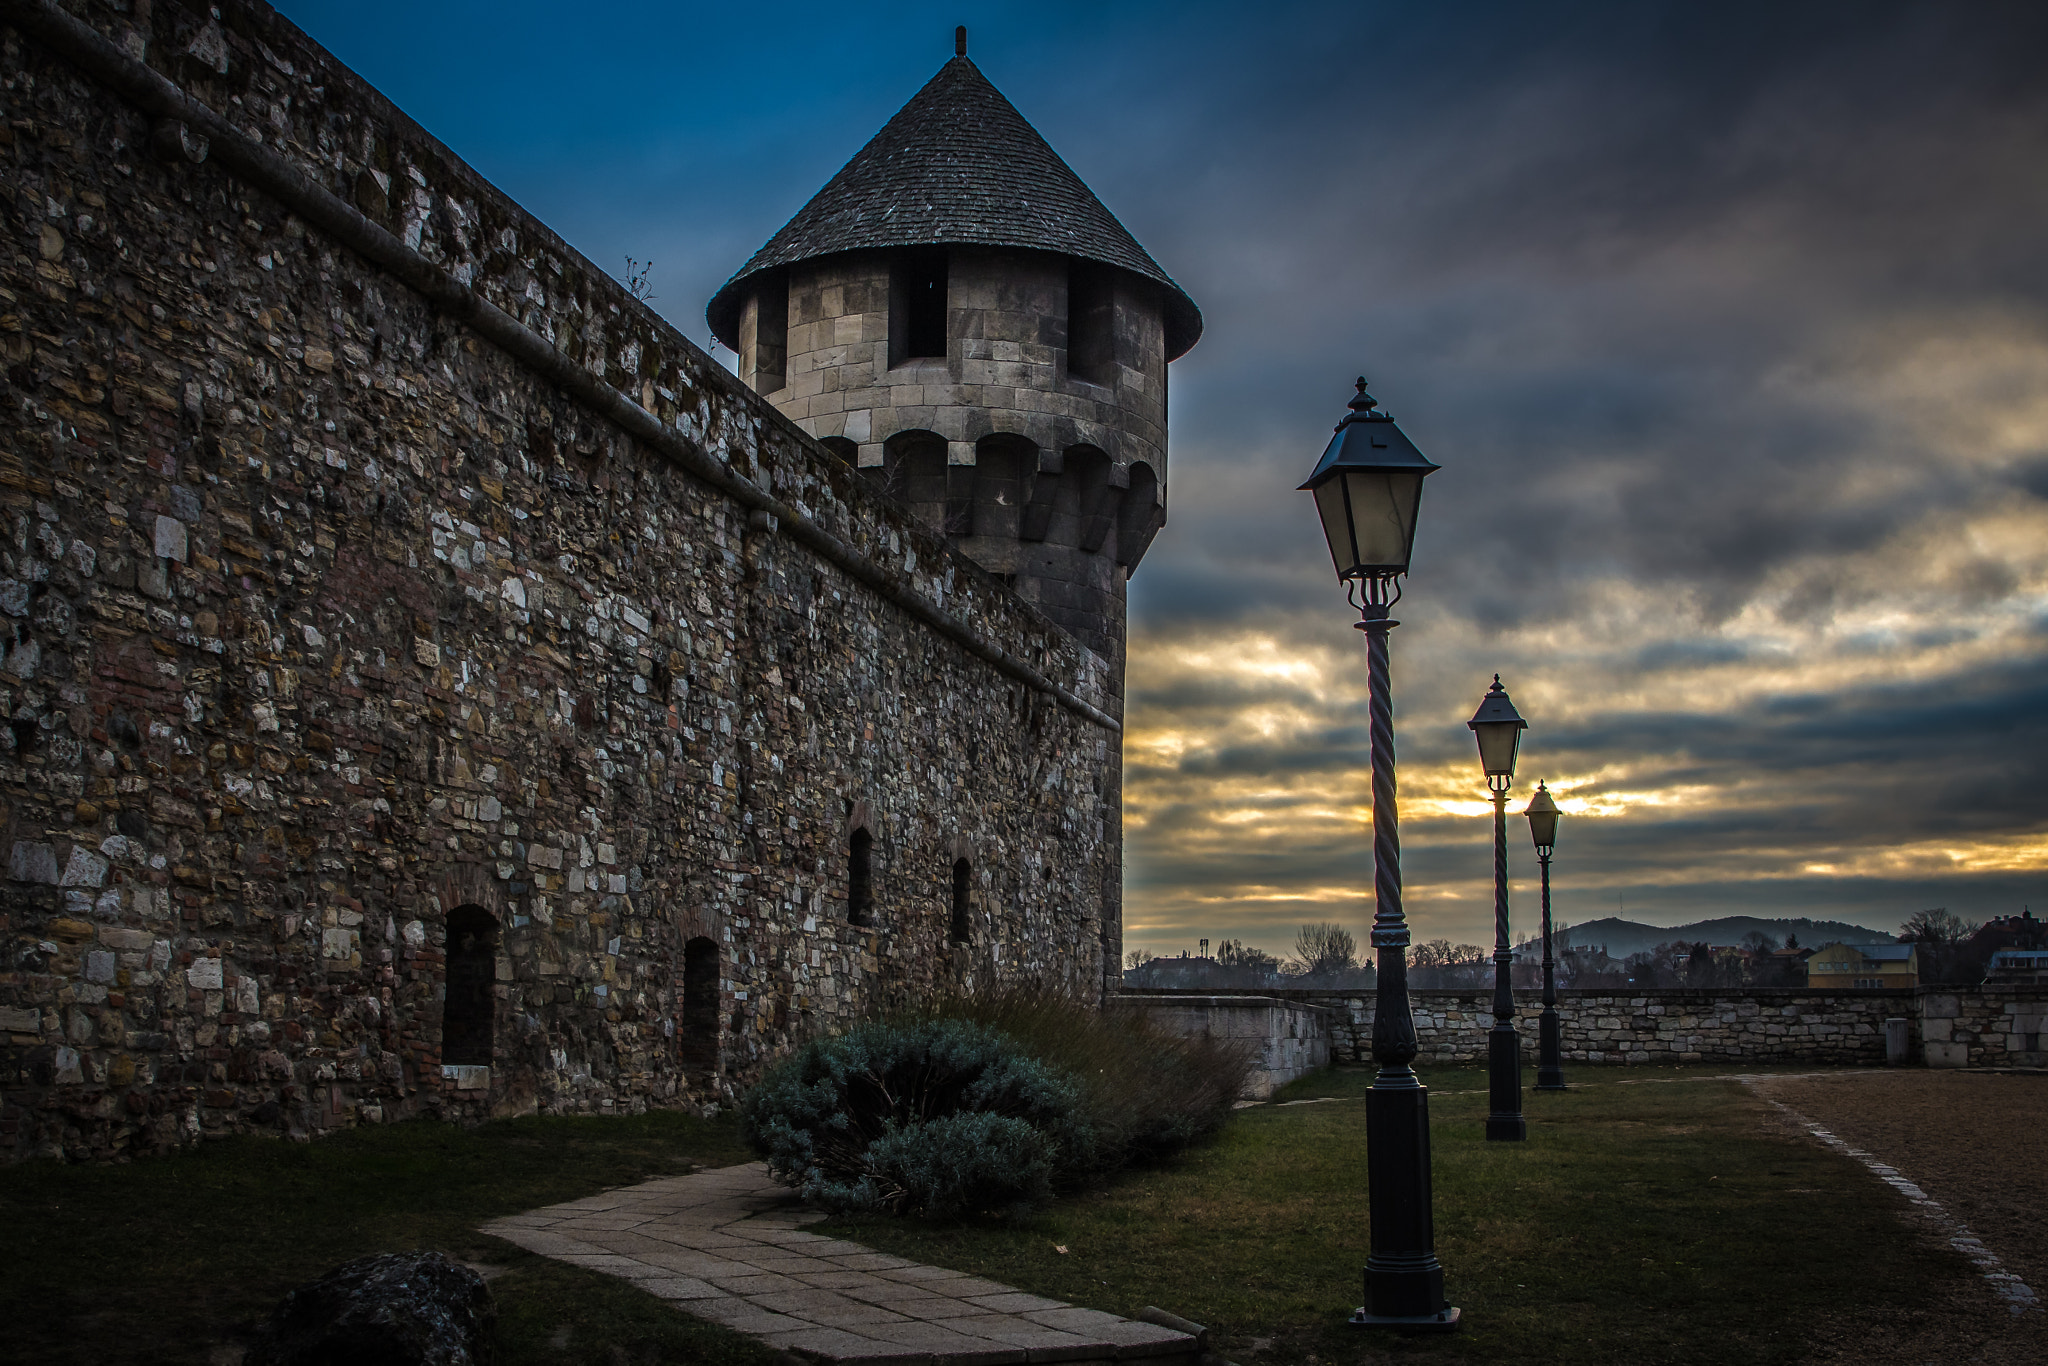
column 860, row 883
column 914, row 470
column 963, row 895
column 698, row 1041
column 1095, row 497
column 1140, row 515
column 1004, row 473
column 466, row 1002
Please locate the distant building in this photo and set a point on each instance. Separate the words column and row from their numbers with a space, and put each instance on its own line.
column 1863, row 966
column 2018, row 965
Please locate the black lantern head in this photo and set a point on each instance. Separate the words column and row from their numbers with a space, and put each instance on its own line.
column 1499, row 728
column 1542, row 814
column 1368, row 487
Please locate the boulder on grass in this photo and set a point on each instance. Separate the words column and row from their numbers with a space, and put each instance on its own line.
column 402, row 1309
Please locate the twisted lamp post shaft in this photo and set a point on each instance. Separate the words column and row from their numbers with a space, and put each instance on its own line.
column 1549, row 1045
column 1393, row 1025
column 1404, row 1283
column 1504, row 1122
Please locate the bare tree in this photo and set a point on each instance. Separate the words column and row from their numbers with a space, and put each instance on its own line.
column 1135, row 959
column 1943, row 937
column 1234, row 953
column 1433, row 954
column 1939, row 926
column 1324, row 949
column 1589, row 966
column 1651, row 968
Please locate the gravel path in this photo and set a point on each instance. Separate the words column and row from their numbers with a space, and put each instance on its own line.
column 1976, row 1142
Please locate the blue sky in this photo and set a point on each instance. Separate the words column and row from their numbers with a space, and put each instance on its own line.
column 1728, row 324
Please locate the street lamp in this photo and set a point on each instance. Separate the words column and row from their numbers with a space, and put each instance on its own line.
column 1542, row 814
column 1367, row 488
column 1499, row 729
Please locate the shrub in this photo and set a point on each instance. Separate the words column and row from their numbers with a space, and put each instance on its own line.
column 937, row 1116
column 1147, row 1094
column 986, row 1104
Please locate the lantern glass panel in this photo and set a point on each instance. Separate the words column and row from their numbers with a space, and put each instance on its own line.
column 1383, row 512
column 1498, row 742
column 1336, row 517
column 1369, row 519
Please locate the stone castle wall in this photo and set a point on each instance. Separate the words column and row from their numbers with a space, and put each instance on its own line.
column 367, row 559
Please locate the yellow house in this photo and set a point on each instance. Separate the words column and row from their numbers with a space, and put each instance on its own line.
column 1864, row 965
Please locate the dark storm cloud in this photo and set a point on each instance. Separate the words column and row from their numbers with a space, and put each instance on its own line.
column 1583, row 241
column 1728, row 324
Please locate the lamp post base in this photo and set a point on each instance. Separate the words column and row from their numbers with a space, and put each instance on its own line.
column 1404, row 1283
column 1445, row 1320
column 1549, row 1053
column 1504, row 1122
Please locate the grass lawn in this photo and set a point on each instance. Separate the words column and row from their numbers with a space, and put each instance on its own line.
column 1653, row 1216
column 1652, row 1219
column 159, row 1260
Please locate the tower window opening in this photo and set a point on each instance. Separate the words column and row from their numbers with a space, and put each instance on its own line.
column 917, row 306
column 466, row 1002
column 764, row 335
column 860, row 892
column 1091, row 323
column 699, row 1042
column 963, row 882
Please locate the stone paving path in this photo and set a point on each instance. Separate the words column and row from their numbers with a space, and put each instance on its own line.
column 729, row 1246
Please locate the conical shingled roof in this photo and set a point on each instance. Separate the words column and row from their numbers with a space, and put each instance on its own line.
column 958, row 165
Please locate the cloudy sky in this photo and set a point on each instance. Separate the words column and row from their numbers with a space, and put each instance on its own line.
column 1728, row 325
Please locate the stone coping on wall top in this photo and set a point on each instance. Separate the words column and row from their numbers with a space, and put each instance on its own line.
column 1310, row 994
column 1180, row 996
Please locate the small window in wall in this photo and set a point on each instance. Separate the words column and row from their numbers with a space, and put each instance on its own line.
column 963, row 885
column 764, row 335
column 699, row 1042
column 860, row 889
column 917, row 306
column 466, row 1004
column 1091, row 323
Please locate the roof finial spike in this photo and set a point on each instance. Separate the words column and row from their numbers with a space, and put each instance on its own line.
column 960, row 41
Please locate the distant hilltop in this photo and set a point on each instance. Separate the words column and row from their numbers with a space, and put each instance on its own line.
column 1623, row 937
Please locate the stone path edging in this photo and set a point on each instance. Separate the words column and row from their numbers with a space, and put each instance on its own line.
column 728, row 1245
column 2017, row 1294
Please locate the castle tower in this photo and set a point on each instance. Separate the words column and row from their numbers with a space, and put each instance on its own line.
column 958, row 315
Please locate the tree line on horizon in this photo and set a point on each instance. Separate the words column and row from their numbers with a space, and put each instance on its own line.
column 1953, row 950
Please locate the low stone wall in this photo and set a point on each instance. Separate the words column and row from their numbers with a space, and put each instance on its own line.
column 1987, row 1026
column 1952, row 1026
column 1293, row 1038
column 1652, row 1026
